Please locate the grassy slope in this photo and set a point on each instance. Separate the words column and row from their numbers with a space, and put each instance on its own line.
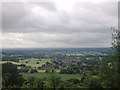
column 31, row 62
column 9, row 61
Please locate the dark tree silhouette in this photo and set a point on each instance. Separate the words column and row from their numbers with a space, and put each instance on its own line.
column 10, row 76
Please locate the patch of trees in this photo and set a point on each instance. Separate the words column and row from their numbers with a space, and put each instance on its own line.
column 69, row 70
column 109, row 70
column 10, row 76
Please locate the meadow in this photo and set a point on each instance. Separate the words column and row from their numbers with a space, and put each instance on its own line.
column 30, row 62
column 33, row 62
column 41, row 75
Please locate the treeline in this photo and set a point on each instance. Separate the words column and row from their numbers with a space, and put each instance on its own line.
column 20, row 54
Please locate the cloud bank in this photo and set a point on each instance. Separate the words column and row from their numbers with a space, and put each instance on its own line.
column 58, row 24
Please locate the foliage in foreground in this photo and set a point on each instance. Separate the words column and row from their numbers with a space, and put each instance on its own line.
column 10, row 76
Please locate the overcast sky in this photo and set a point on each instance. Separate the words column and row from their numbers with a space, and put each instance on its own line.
column 58, row 24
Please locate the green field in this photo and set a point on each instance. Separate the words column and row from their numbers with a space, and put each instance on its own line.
column 43, row 75
column 9, row 62
column 30, row 62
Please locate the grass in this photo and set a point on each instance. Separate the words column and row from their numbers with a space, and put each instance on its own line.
column 31, row 62
column 41, row 70
column 9, row 62
column 43, row 75
column 70, row 76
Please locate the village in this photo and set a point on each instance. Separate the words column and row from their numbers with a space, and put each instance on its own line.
column 71, row 64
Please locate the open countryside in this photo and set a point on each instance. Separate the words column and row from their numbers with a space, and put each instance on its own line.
column 60, row 45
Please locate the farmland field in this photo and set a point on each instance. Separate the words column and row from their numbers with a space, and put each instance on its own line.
column 43, row 75
column 33, row 62
column 9, row 62
column 30, row 62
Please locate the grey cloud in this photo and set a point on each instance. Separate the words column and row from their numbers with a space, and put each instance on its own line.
column 86, row 38
column 47, row 5
column 83, row 25
column 74, row 39
column 0, row 16
column 19, row 18
column 57, row 40
column 12, row 13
